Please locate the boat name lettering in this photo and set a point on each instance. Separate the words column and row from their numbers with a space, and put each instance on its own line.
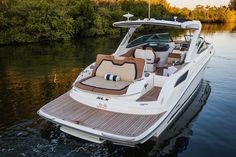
column 101, row 98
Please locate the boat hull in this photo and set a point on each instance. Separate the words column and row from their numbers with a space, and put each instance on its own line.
column 86, row 134
column 95, row 125
column 182, row 103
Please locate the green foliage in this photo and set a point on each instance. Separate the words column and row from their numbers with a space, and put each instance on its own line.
column 83, row 14
column 140, row 9
column 31, row 20
column 232, row 4
column 208, row 14
column 35, row 20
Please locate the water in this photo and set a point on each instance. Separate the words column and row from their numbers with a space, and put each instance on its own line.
column 32, row 75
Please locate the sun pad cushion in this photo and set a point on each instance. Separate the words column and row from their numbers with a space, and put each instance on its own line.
column 99, row 82
column 128, row 69
column 100, row 85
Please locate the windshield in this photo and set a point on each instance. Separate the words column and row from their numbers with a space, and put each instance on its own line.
column 151, row 38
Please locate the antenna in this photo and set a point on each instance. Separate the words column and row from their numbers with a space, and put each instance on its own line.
column 149, row 9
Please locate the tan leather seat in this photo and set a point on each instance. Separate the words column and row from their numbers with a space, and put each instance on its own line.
column 176, row 58
column 108, row 64
column 119, row 66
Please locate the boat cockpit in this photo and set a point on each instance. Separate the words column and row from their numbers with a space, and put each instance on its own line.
column 156, row 54
column 141, row 64
column 159, row 51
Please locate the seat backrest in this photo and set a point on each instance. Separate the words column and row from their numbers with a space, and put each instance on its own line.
column 176, row 57
column 163, row 55
column 128, row 69
column 148, row 55
column 173, row 57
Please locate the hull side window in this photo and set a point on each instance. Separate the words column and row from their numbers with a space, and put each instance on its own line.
column 181, row 78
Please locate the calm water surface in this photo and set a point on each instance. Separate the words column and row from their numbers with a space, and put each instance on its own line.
column 32, row 75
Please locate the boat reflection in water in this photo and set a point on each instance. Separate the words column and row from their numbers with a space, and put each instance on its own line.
column 174, row 140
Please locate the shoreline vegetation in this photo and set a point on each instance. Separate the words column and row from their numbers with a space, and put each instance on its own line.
column 26, row 21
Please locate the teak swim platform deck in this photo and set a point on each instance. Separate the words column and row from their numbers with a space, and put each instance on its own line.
column 130, row 125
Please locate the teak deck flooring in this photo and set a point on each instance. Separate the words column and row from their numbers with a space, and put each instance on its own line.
column 131, row 125
column 151, row 95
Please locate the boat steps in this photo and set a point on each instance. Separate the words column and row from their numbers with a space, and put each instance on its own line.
column 151, row 95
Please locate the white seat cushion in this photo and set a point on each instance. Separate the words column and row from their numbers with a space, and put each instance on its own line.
column 163, row 55
column 149, row 57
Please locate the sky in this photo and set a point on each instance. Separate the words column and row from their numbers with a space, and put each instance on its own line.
column 192, row 3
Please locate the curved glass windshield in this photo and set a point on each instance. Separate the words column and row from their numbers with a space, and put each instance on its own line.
column 151, row 38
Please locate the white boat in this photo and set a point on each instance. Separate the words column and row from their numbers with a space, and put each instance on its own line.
column 134, row 94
